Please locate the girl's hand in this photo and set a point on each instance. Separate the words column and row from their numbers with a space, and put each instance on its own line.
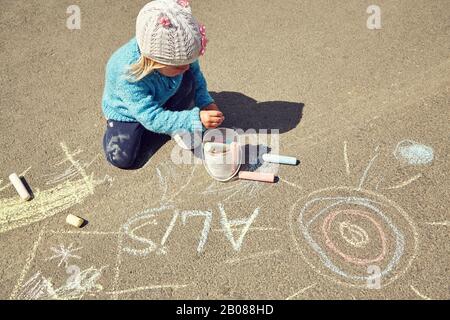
column 211, row 118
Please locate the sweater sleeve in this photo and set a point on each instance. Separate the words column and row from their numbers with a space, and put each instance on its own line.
column 202, row 96
column 138, row 97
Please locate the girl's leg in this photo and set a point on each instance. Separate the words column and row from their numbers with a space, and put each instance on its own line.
column 121, row 143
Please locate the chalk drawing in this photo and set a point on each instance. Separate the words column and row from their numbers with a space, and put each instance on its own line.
column 40, row 287
column 424, row 297
column 252, row 229
column 64, row 254
column 347, row 164
column 240, row 190
column 413, row 153
column 353, row 234
column 155, row 287
column 146, row 216
column 15, row 213
column 206, row 226
column 167, row 173
column 253, row 256
column 290, row 183
column 364, row 176
column 405, row 183
column 301, row 291
column 227, row 225
column 71, row 172
column 363, row 208
column 78, row 283
column 27, row 265
column 443, row 223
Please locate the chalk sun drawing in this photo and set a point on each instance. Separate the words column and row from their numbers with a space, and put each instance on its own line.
column 15, row 213
column 64, row 254
column 340, row 231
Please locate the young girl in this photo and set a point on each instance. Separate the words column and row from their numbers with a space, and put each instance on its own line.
column 154, row 83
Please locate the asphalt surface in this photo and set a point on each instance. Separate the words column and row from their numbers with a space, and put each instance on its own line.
column 363, row 216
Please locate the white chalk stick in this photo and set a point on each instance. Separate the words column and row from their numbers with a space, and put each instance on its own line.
column 74, row 220
column 20, row 187
column 275, row 158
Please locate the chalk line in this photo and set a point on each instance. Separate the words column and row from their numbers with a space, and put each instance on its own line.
column 169, row 228
column 173, row 286
column 251, row 229
column 378, row 183
column 405, row 183
column 98, row 233
column 77, row 166
column 253, row 256
column 206, row 225
column 185, row 185
column 443, row 223
column 424, row 297
column 118, row 264
column 301, row 291
column 9, row 184
column 290, row 183
column 27, row 264
column 347, row 164
column 364, row 176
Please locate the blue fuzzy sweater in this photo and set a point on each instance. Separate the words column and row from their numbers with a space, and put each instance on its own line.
column 143, row 101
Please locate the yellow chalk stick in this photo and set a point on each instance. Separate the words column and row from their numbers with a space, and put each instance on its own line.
column 74, row 220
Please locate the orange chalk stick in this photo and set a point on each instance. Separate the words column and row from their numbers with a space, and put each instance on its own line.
column 257, row 176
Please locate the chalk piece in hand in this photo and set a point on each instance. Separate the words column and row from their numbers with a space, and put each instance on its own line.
column 20, row 187
column 257, row 176
column 274, row 158
column 74, row 220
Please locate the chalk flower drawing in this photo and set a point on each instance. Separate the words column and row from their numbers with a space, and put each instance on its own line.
column 64, row 254
column 39, row 287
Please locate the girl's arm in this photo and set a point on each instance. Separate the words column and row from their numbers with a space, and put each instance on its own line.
column 202, row 96
column 138, row 97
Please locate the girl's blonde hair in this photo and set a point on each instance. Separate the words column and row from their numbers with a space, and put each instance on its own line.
column 143, row 67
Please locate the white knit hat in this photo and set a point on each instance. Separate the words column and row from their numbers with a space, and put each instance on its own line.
column 168, row 33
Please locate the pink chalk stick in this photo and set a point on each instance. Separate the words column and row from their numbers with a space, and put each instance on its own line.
column 257, row 176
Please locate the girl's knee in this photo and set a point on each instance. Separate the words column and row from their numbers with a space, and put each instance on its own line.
column 120, row 161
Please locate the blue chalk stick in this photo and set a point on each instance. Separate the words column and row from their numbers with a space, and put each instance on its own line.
column 279, row 159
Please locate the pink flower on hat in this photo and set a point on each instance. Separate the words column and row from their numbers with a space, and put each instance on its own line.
column 165, row 21
column 202, row 29
column 183, row 3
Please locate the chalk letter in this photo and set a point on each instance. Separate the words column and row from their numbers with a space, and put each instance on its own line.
column 206, row 226
column 227, row 225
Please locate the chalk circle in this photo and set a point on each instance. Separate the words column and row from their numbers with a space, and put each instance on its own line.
column 341, row 231
column 413, row 153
